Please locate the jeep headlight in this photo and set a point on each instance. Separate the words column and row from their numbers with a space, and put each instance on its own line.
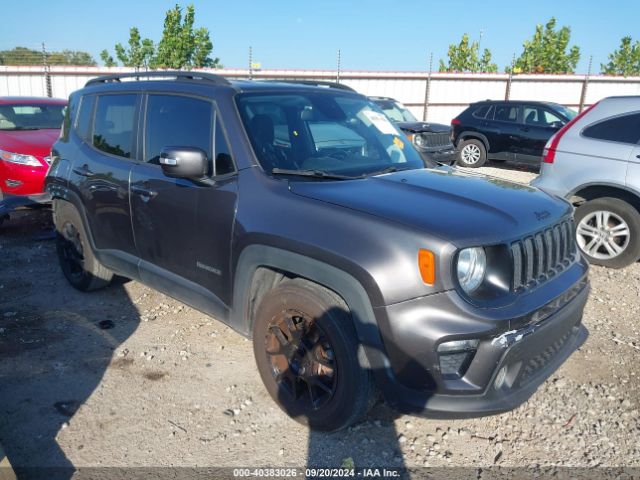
column 419, row 140
column 471, row 268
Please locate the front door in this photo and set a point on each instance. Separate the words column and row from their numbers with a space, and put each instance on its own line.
column 182, row 228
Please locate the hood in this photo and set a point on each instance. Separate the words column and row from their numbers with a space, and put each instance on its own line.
column 463, row 208
column 418, row 127
column 29, row 142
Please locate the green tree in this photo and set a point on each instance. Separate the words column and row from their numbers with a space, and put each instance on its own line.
column 625, row 60
column 181, row 46
column 463, row 57
column 107, row 59
column 27, row 56
column 140, row 51
column 548, row 51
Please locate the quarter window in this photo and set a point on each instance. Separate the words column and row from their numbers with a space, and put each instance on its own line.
column 481, row 112
column 625, row 129
column 175, row 121
column 223, row 161
column 113, row 129
column 83, row 123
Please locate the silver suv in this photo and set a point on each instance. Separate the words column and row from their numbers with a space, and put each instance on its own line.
column 594, row 162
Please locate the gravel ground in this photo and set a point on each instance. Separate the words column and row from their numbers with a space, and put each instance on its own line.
column 129, row 377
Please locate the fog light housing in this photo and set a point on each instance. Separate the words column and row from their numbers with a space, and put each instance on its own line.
column 500, row 378
column 456, row 356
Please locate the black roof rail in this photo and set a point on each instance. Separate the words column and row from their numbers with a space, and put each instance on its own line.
column 317, row 83
column 177, row 74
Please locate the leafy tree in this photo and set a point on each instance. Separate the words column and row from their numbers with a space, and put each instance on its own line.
column 547, row 51
column 181, row 46
column 140, row 52
column 463, row 57
column 107, row 59
column 27, row 56
column 624, row 61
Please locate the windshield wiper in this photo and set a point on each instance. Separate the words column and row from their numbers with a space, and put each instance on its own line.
column 385, row 170
column 21, row 128
column 311, row 173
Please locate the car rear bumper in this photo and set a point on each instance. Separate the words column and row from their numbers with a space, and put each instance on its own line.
column 524, row 355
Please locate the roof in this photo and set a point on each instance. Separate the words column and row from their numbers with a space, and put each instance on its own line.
column 31, row 100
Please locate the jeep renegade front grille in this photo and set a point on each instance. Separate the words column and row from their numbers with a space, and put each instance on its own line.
column 543, row 255
column 436, row 139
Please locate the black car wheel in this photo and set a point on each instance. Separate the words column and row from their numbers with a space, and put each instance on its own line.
column 608, row 232
column 78, row 263
column 471, row 153
column 306, row 350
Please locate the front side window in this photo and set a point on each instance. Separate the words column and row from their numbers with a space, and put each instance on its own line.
column 113, row 124
column 176, row 121
column 223, row 163
column 31, row 116
column 625, row 129
column 328, row 132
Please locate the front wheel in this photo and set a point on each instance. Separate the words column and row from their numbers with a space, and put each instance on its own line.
column 472, row 153
column 608, row 232
column 308, row 355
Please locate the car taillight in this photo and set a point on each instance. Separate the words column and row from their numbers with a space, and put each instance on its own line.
column 455, row 121
column 549, row 152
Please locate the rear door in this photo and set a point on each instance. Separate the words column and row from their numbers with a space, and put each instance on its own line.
column 505, row 131
column 102, row 166
column 537, row 127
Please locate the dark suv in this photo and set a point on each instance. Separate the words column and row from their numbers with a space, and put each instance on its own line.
column 305, row 220
column 506, row 130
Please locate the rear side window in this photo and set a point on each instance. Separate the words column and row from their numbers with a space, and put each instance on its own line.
column 506, row 113
column 175, row 121
column 113, row 125
column 624, row 129
column 481, row 112
column 83, row 123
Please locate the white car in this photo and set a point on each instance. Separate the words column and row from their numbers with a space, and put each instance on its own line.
column 594, row 162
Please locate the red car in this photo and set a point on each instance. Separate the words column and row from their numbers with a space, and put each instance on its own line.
column 28, row 128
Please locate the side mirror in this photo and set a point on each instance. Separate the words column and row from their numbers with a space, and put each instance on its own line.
column 183, row 162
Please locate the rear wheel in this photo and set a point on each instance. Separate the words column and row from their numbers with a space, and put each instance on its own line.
column 472, row 153
column 608, row 232
column 77, row 261
column 307, row 353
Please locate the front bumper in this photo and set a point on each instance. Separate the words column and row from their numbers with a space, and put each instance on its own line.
column 446, row 157
column 525, row 351
column 14, row 202
column 18, row 179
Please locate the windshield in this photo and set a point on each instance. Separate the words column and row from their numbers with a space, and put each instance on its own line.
column 567, row 112
column 27, row 116
column 396, row 111
column 326, row 132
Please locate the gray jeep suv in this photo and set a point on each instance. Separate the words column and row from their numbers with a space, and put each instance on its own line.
column 305, row 220
column 594, row 162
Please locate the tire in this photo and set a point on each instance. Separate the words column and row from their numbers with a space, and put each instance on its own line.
column 608, row 232
column 471, row 153
column 77, row 261
column 328, row 354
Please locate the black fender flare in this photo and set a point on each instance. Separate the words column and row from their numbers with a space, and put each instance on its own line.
column 473, row 134
column 339, row 281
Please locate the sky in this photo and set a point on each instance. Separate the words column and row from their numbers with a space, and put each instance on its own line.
column 285, row 34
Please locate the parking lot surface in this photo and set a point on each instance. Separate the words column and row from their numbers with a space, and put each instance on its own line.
column 129, row 377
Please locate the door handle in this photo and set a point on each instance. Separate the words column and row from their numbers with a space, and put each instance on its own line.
column 83, row 171
column 143, row 191
column 638, row 156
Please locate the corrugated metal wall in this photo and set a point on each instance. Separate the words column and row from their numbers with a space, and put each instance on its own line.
column 448, row 93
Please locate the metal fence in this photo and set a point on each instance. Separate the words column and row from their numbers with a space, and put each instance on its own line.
column 436, row 97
